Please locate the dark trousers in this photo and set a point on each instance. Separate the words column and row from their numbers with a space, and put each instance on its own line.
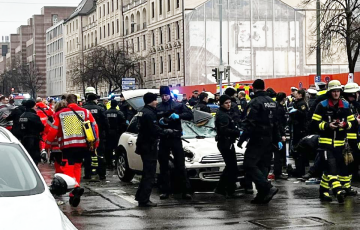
column 257, row 164
column 95, row 163
column 301, row 159
column 318, row 166
column 175, row 146
column 31, row 144
column 279, row 160
column 111, row 145
column 148, row 177
column 227, row 182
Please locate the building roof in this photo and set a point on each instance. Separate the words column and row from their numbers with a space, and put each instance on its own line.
column 83, row 8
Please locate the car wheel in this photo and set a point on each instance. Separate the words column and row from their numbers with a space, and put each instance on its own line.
column 123, row 171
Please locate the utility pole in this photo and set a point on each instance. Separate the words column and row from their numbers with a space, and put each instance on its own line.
column 221, row 68
column 318, row 50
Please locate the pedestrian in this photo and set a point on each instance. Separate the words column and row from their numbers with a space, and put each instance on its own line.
column 261, row 130
column 14, row 117
column 194, row 98
column 117, row 126
column 231, row 92
column 280, row 155
column 242, row 104
column 96, row 163
column 31, row 129
column 227, row 132
column 333, row 120
column 170, row 114
column 4, row 113
column 202, row 104
column 299, row 122
column 68, row 129
column 184, row 99
column 147, row 148
column 271, row 93
column 217, row 98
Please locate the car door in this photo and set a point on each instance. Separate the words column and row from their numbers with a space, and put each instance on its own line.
column 129, row 144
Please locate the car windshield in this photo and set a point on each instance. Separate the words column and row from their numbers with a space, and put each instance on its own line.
column 138, row 102
column 18, row 176
column 192, row 130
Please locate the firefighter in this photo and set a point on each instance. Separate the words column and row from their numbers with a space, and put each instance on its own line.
column 333, row 120
column 227, row 132
column 98, row 161
column 299, row 120
column 202, row 105
column 117, row 126
column 170, row 114
column 261, row 129
column 68, row 129
column 31, row 128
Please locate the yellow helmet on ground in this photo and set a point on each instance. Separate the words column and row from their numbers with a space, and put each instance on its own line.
column 334, row 84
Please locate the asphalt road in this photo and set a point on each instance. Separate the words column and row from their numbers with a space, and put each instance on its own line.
column 111, row 205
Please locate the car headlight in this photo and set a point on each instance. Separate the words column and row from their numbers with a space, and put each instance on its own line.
column 189, row 155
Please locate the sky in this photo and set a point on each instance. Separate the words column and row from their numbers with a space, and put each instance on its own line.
column 15, row 13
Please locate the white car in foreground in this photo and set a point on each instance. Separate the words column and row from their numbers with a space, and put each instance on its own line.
column 203, row 160
column 25, row 200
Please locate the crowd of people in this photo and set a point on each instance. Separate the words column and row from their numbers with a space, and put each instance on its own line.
column 322, row 124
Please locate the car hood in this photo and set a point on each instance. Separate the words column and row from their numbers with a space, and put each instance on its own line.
column 205, row 147
column 33, row 212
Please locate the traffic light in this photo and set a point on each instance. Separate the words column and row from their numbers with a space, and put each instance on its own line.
column 227, row 72
column 215, row 74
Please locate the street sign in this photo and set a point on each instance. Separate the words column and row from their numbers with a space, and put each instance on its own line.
column 327, row 79
column 317, row 78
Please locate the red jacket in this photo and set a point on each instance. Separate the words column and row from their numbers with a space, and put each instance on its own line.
column 67, row 128
column 43, row 111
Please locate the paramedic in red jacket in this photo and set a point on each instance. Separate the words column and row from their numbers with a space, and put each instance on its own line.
column 67, row 129
column 46, row 116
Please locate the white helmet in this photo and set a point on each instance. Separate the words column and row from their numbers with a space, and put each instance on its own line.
column 334, row 84
column 90, row 90
column 312, row 91
column 351, row 88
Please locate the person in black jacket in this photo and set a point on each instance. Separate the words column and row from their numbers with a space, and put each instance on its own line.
column 299, row 122
column 194, row 98
column 103, row 124
column 147, row 148
column 117, row 126
column 280, row 155
column 170, row 114
column 227, row 132
column 128, row 111
column 236, row 115
column 242, row 104
column 15, row 116
column 202, row 105
column 261, row 129
column 31, row 127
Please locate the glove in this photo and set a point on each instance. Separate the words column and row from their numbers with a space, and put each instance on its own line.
column 162, row 122
column 280, row 145
column 127, row 122
column 293, row 110
column 174, row 116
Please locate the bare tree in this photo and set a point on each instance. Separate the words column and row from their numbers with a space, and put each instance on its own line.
column 29, row 78
column 340, row 29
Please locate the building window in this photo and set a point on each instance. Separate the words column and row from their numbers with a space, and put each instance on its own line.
column 138, row 44
column 127, row 47
column 54, row 19
column 177, row 3
column 108, row 29
column 161, row 35
column 169, row 6
column 169, row 64
column 100, row 32
column 153, row 66
column 178, row 61
column 112, row 5
column 104, row 10
column 152, row 10
column 160, row 7
column 117, row 26
column 144, row 68
column 144, row 41
column 100, row 12
column 161, row 65
column 169, row 33
column 177, row 30
column 104, row 32
column 132, row 45
column 77, row 24
column 113, row 28
column 108, row 7
column 117, row 4
column 153, row 38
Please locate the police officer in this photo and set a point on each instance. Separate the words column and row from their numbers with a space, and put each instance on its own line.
column 15, row 116
column 102, row 122
column 261, row 129
column 299, row 121
column 227, row 132
column 202, row 105
column 117, row 125
column 311, row 101
column 333, row 120
column 170, row 114
column 320, row 96
column 31, row 127
column 147, row 148
column 194, row 98
column 231, row 92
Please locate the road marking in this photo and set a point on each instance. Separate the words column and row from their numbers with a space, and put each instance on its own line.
column 123, row 195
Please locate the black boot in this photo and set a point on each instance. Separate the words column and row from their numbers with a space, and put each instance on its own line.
column 75, row 196
column 148, row 204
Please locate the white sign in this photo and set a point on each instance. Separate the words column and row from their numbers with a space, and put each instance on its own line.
column 350, row 78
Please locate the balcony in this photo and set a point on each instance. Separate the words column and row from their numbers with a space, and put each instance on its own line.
column 133, row 4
